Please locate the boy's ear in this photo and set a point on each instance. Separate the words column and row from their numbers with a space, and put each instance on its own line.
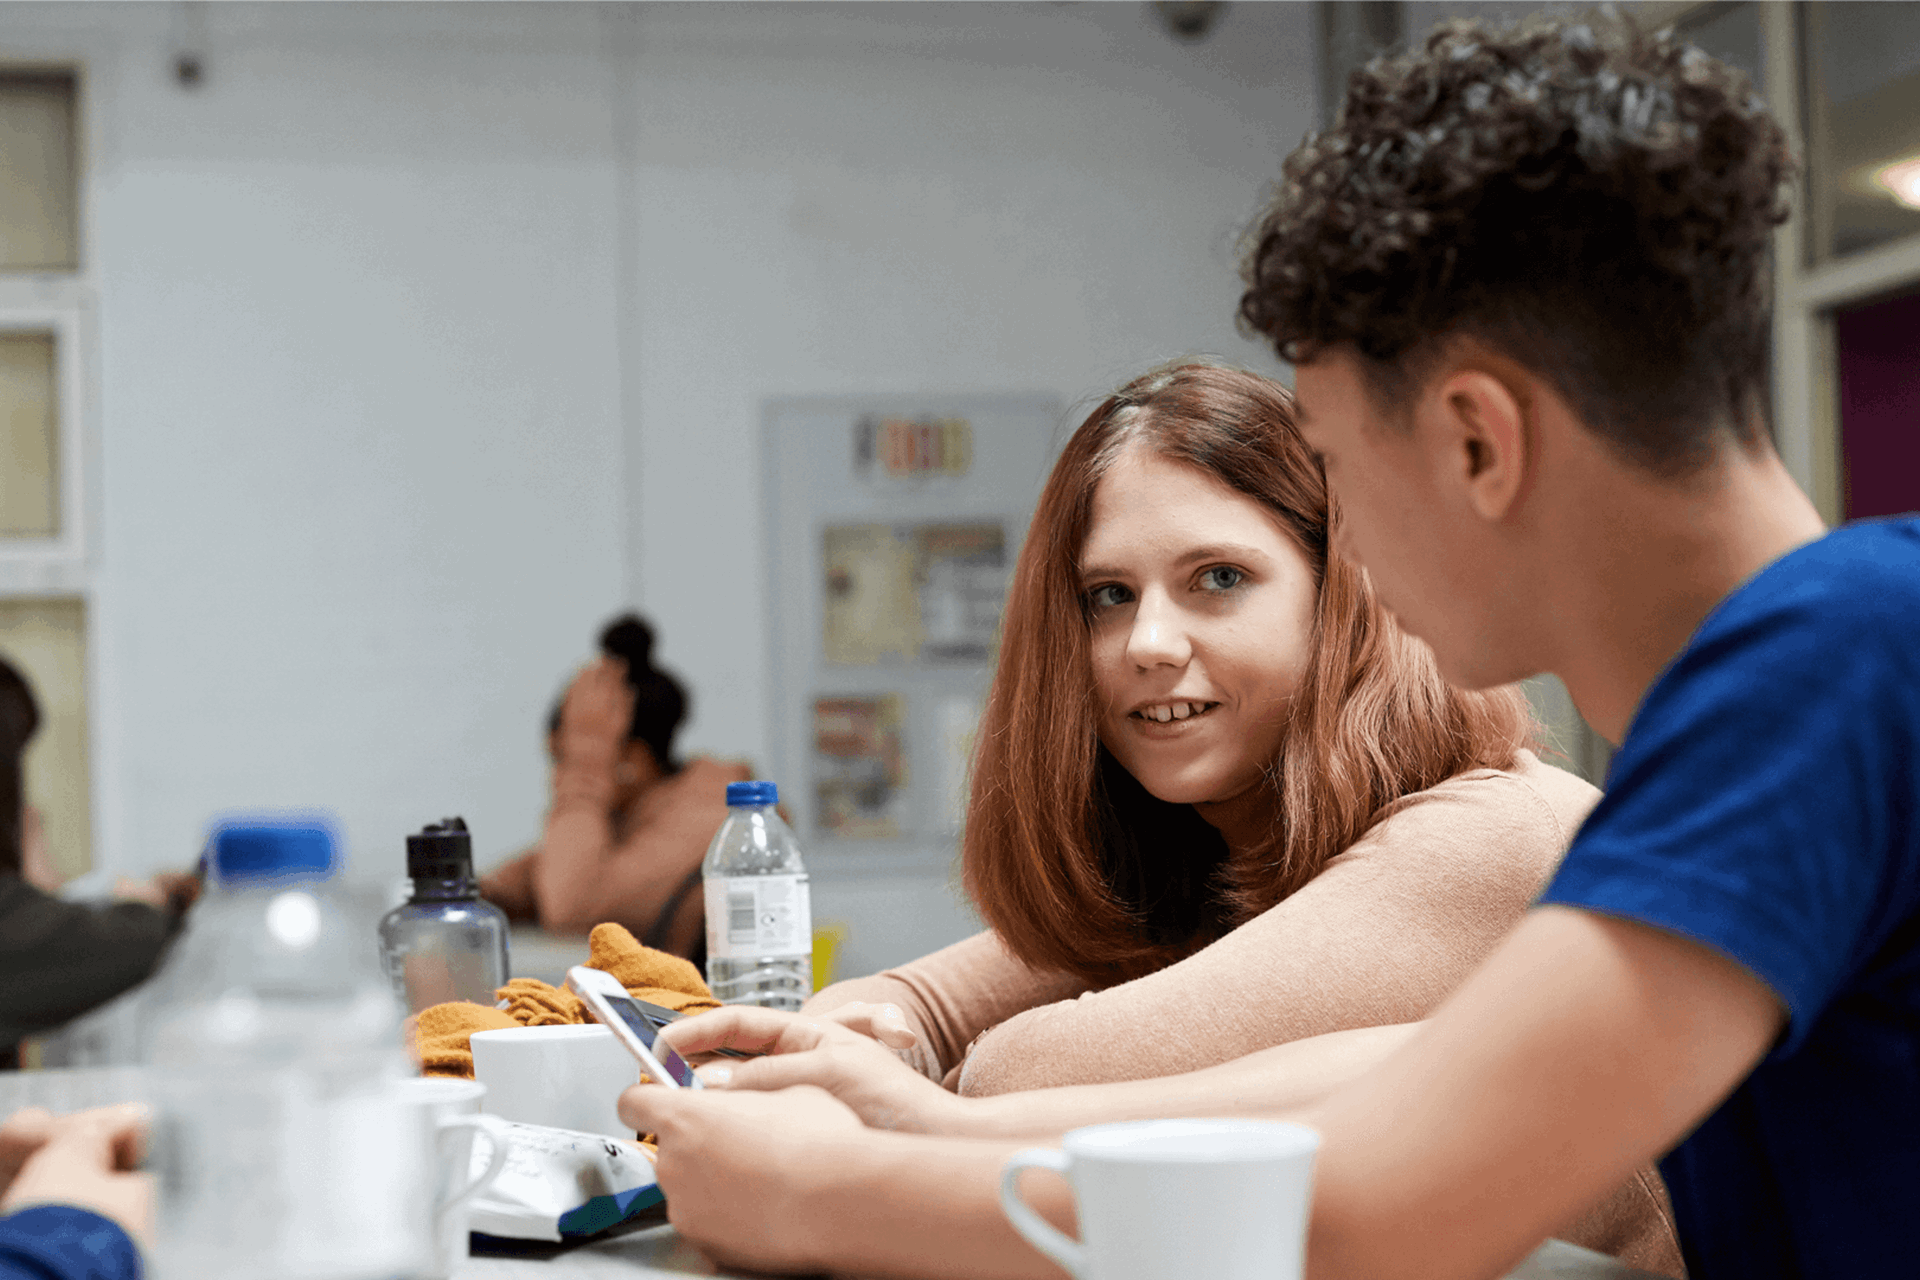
column 1484, row 440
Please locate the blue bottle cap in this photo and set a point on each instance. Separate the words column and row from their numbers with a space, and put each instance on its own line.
column 740, row 794
column 254, row 849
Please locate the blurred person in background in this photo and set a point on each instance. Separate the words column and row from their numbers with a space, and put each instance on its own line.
column 628, row 823
column 59, row 959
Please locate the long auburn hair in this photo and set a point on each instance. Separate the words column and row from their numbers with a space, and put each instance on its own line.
column 1068, row 858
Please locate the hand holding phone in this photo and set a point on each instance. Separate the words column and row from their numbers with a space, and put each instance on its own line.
column 621, row 1014
column 660, row 1016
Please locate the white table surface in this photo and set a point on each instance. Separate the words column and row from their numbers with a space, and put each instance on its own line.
column 655, row 1250
column 659, row 1251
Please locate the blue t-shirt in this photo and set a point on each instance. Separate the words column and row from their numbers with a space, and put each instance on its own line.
column 58, row 1242
column 1766, row 802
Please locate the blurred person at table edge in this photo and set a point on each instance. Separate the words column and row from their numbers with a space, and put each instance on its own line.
column 1525, row 281
column 72, row 1206
column 59, row 959
column 628, row 823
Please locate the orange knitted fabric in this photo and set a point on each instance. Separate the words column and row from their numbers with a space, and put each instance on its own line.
column 441, row 1035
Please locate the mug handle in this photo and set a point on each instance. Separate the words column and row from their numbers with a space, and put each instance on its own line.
column 1040, row 1233
column 496, row 1161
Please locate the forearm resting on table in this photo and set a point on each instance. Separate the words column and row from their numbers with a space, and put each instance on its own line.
column 1585, row 1047
column 574, row 846
column 1278, row 1082
column 929, row 1209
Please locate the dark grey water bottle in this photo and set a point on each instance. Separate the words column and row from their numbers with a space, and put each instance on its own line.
column 444, row 943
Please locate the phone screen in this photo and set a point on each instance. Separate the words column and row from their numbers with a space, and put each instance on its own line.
column 631, row 1014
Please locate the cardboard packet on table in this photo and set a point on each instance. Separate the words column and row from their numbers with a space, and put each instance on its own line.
column 563, row 1184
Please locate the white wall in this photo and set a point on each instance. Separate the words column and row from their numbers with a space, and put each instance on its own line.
column 430, row 335
column 358, row 377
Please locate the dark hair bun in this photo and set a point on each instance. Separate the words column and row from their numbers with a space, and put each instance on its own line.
column 628, row 637
column 659, row 702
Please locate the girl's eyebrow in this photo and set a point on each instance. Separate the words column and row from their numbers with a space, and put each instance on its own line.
column 1223, row 551
column 1208, row 551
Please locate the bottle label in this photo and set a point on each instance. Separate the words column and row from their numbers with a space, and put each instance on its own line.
column 750, row 916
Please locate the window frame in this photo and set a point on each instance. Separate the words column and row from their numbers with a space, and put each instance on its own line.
column 36, row 565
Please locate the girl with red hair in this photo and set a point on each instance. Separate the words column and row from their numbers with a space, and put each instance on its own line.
column 1218, row 795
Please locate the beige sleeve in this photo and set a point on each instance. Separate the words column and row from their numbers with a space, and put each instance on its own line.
column 1386, row 930
column 953, row 995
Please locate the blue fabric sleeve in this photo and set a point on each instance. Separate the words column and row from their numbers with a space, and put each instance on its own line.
column 1756, row 803
column 59, row 1242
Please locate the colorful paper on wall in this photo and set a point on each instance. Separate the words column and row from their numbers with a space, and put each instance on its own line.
column 859, row 766
column 902, row 593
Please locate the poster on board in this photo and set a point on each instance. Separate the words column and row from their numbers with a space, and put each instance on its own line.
column 860, row 766
column 905, row 593
column 892, row 525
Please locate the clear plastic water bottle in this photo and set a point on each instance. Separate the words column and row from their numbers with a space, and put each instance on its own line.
column 280, row 1146
column 444, row 943
column 759, row 914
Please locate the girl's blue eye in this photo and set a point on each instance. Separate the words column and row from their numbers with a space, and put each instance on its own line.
column 1106, row 596
column 1223, row 577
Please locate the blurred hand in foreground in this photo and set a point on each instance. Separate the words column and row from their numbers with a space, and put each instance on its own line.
column 738, row 1169
column 842, row 1058
column 86, row 1160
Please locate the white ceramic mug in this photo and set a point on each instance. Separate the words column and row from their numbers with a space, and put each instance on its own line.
column 454, row 1107
column 565, row 1077
column 1224, row 1199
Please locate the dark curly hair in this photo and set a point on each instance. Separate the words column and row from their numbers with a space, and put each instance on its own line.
column 1592, row 200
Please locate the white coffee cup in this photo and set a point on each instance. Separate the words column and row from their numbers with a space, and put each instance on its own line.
column 1224, row 1199
column 566, row 1077
column 454, row 1108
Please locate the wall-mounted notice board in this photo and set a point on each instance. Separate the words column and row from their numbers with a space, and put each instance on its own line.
column 892, row 527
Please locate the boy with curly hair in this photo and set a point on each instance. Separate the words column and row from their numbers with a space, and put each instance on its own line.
column 1524, row 280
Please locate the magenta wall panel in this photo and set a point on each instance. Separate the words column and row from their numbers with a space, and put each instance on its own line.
column 1880, row 406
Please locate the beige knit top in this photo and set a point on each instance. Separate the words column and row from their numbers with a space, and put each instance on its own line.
column 1380, row 936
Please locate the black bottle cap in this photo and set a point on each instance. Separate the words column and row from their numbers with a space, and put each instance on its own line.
column 441, row 851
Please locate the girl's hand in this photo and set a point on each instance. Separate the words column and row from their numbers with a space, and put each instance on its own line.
column 883, row 1022
column 596, row 714
column 854, row 1067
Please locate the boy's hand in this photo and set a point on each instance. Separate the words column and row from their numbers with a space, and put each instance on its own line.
column 738, row 1168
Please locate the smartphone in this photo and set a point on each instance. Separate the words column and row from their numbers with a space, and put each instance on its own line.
column 660, row 1016
column 622, row 1015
